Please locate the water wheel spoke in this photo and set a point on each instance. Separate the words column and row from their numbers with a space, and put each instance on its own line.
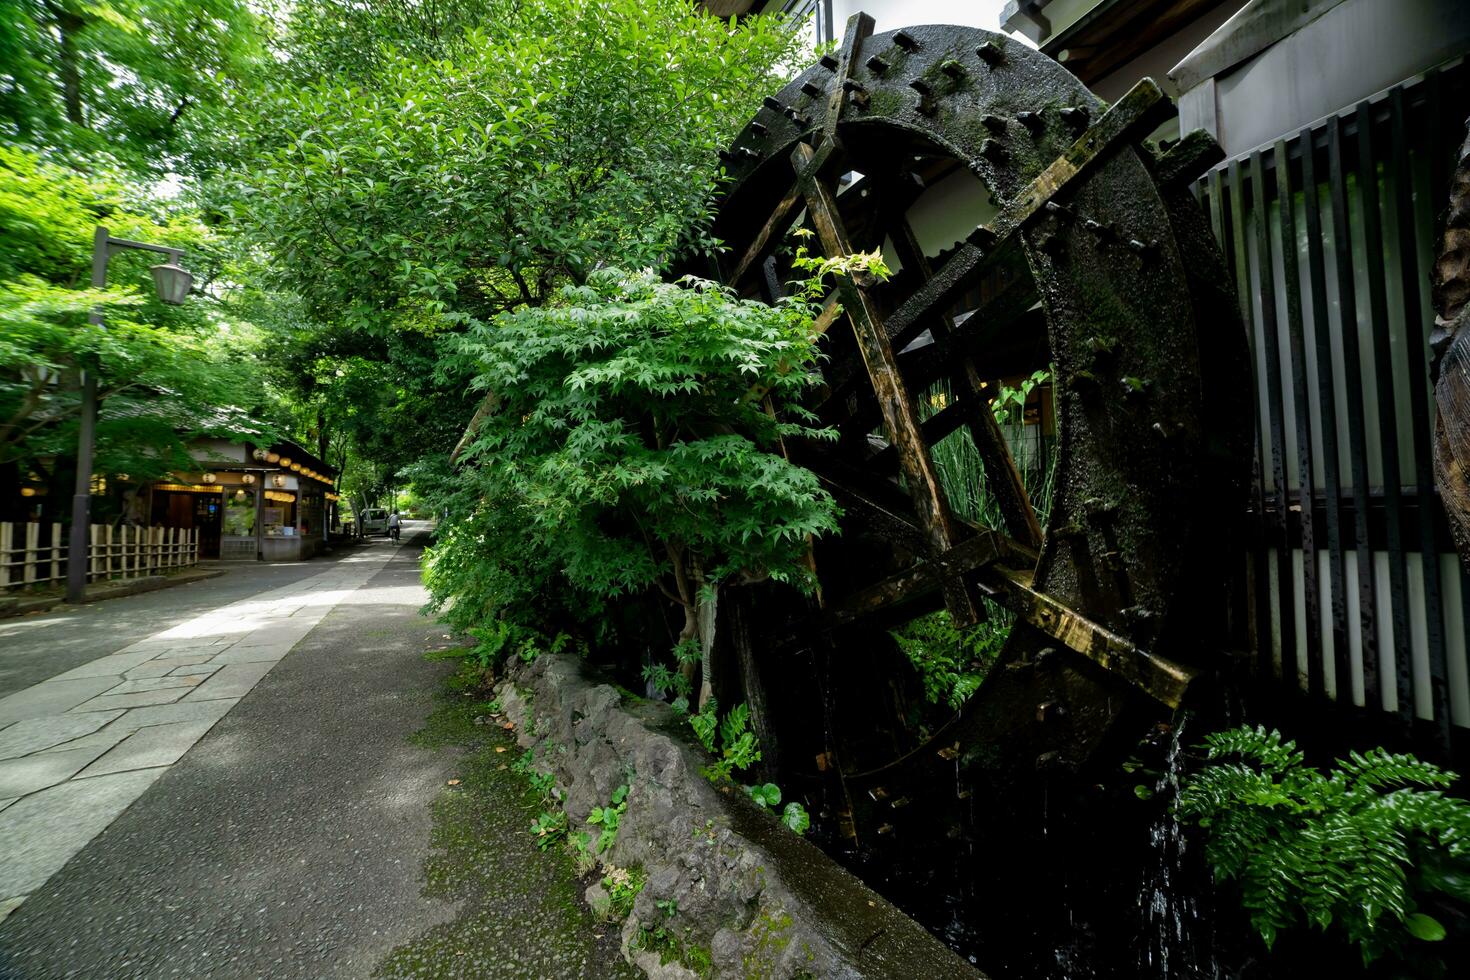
column 899, row 415
column 781, row 217
column 885, row 507
column 991, row 325
column 1003, row 479
column 985, row 549
column 1160, row 678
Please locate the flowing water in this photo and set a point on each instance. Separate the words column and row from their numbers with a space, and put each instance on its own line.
column 1174, row 940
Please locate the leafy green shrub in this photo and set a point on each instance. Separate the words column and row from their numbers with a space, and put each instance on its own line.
column 1358, row 849
column 630, row 452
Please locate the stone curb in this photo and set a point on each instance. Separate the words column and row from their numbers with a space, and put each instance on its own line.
column 753, row 898
column 11, row 606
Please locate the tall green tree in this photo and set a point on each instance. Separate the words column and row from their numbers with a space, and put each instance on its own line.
column 131, row 79
column 633, row 450
column 165, row 374
column 545, row 140
column 415, row 168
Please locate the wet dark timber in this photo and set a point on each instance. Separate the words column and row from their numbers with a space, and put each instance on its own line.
column 1110, row 246
column 1098, row 263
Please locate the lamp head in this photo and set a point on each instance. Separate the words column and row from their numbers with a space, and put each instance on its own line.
column 172, row 280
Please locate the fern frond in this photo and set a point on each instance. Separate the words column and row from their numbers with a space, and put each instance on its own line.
column 1331, row 850
column 1379, row 767
column 1267, row 749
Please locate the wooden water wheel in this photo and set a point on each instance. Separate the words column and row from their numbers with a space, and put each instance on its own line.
column 1095, row 264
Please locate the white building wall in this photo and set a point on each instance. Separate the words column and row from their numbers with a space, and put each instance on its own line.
column 890, row 15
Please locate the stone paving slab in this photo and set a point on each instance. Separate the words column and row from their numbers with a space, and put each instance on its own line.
column 55, row 823
column 77, row 749
column 230, row 681
column 159, row 666
column 156, row 745
column 19, row 777
column 160, row 683
column 194, row 670
column 273, row 637
column 136, row 700
column 163, row 714
column 118, row 663
column 51, row 698
column 103, row 740
column 39, row 734
column 250, row 655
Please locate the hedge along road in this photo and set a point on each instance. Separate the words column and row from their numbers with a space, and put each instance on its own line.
column 291, row 840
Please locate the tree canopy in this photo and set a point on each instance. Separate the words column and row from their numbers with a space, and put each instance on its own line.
column 358, row 184
column 133, row 80
column 165, row 374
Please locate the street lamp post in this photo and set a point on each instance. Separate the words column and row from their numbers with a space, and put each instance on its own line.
column 172, row 282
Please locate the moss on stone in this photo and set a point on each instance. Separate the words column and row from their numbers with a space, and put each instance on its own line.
column 771, row 931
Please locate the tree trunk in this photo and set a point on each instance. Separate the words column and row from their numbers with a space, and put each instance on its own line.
column 705, row 614
column 69, row 24
column 11, row 508
column 740, row 643
column 321, row 435
column 1450, row 345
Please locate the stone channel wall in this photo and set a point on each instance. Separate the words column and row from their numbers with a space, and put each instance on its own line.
column 754, row 899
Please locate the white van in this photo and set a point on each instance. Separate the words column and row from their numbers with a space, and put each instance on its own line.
column 374, row 521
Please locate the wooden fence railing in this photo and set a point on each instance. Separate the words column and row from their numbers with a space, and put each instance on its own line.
column 34, row 555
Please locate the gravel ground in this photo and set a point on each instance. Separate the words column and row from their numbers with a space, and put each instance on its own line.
column 294, row 840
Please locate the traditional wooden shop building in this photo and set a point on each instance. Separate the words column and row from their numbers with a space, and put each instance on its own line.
column 248, row 502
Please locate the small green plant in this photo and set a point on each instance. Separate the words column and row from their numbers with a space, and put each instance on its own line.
column 548, row 828
column 500, row 640
column 1361, row 849
column 542, row 783
column 1010, row 405
column 796, row 819
column 583, row 858
column 739, row 749
column 676, row 680
column 706, row 722
column 607, row 818
column 623, row 886
column 952, row 662
column 767, row 795
column 671, row 945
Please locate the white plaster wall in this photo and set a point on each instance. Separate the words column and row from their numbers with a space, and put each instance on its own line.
column 890, row 15
column 946, row 214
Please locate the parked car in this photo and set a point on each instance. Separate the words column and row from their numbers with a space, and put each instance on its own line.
column 374, row 521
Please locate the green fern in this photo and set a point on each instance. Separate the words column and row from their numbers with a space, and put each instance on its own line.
column 1342, row 849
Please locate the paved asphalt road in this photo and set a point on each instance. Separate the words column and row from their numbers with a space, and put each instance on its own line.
column 289, row 841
